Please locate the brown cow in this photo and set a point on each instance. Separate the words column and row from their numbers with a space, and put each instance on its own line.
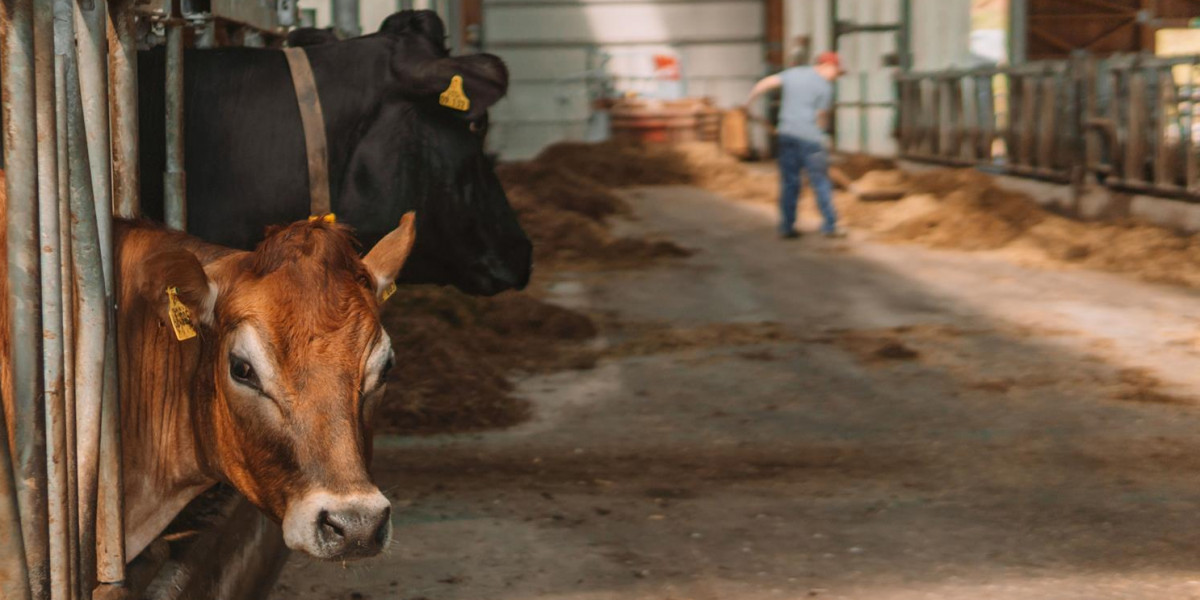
column 275, row 393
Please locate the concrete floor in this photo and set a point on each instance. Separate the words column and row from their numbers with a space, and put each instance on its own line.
column 1023, row 449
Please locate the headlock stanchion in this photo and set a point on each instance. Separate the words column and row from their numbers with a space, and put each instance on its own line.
column 1126, row 122
column 60, row 485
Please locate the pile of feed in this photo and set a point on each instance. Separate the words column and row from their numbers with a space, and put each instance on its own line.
column 967, row 210
column 454, row 353
column 565, row 209
column 947, row 208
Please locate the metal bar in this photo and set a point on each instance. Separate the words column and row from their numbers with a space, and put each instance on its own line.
column 20, row 160
column 27, row 426
column 14, row 578
column 94, row 86
column 345, row 18
column 1191, row 156
column 847, row 28
column 46, row 21
column 175, row 178
column 122, row 73
column 90, row 325
column 92, row 56
column 66, row 318
column 1018, row 28
column 863, row 116
column 833, row 99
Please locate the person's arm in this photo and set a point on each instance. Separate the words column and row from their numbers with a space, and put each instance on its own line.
column 823, row 120
column 825, row 114
column 764, row 85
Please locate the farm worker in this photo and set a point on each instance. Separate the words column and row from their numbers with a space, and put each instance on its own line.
column 803, row 120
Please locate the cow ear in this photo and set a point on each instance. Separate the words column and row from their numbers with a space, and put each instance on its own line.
column 422, row 23
column 464, row 85
column 385, row 260
column 175, row 284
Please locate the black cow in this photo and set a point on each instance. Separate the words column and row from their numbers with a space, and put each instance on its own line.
column 392, row 149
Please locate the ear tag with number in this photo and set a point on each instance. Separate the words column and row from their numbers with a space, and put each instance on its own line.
column 454, row 96
column 387, row 292
column 181, row 316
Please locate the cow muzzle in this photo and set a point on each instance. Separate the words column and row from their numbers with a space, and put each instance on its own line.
column 339, row 526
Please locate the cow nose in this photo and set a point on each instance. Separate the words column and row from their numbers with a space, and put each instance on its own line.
column 355, row 531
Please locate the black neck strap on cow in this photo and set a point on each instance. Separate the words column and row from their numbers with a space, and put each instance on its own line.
column 314, row 130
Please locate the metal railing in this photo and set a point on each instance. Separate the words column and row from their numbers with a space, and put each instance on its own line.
column 66, row 63
column 1128, row 122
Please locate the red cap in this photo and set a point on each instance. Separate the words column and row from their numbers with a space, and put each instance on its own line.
column 831, row 58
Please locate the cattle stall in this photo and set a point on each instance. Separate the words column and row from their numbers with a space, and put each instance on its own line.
column 69, row 78
column 1125, row 122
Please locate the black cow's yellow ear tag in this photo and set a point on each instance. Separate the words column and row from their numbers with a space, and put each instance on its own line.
column 454, row 96
column 181, row 316
column 387, row 292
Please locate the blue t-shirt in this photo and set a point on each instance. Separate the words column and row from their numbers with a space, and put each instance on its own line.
column 805, row 93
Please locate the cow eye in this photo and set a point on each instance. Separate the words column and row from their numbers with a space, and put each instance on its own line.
column 242, row 372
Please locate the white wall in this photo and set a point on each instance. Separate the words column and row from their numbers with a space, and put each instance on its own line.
column 940, row 36
column 371, row 12
column 554, row 50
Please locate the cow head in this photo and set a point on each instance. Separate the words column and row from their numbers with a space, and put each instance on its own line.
column 421, row 149
column 296, row 358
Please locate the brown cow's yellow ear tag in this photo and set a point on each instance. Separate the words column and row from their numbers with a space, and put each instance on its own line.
column 327, row 217
column 454, row 96
column 181, row 316
column 387, row 292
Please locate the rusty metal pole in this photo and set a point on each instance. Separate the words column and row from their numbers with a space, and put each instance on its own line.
column 91, row 323
column 66, row 318
column 14, row 579
column 16, row 35
column 68, row 324
column 92, row 32
column 122, row 73
column 57, row 34
column 27, row 429
column 175, row 179
column 346, row 18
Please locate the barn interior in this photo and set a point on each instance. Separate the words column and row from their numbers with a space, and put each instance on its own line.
column 984, row 386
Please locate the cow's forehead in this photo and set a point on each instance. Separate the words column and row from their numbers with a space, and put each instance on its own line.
column 300, row 318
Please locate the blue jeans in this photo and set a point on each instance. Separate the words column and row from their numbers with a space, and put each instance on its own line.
column 796, row 154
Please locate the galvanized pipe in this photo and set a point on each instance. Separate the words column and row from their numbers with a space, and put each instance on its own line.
column 345, row 18
column 91, row 25
column 90, row 325
column 48, row 20
column 92, row 53
column 14, row 579
column 68, row 326
column 27, row 426
column 122, row 73
column 175, row 179
column 66, row 318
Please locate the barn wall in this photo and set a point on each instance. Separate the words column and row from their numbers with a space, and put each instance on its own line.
column 556, row 52
column 371, row 12
column 940, row 39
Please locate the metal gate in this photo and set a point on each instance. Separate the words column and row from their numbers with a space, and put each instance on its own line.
column 69, row 82
column 1128, row 122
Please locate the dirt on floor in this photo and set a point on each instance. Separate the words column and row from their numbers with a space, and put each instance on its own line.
column 961, row 209
column 455, row 353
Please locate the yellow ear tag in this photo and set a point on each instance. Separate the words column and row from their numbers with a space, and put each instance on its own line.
column 387, row 292
column 327, row 217
column 181, row 316
column 454, row 96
